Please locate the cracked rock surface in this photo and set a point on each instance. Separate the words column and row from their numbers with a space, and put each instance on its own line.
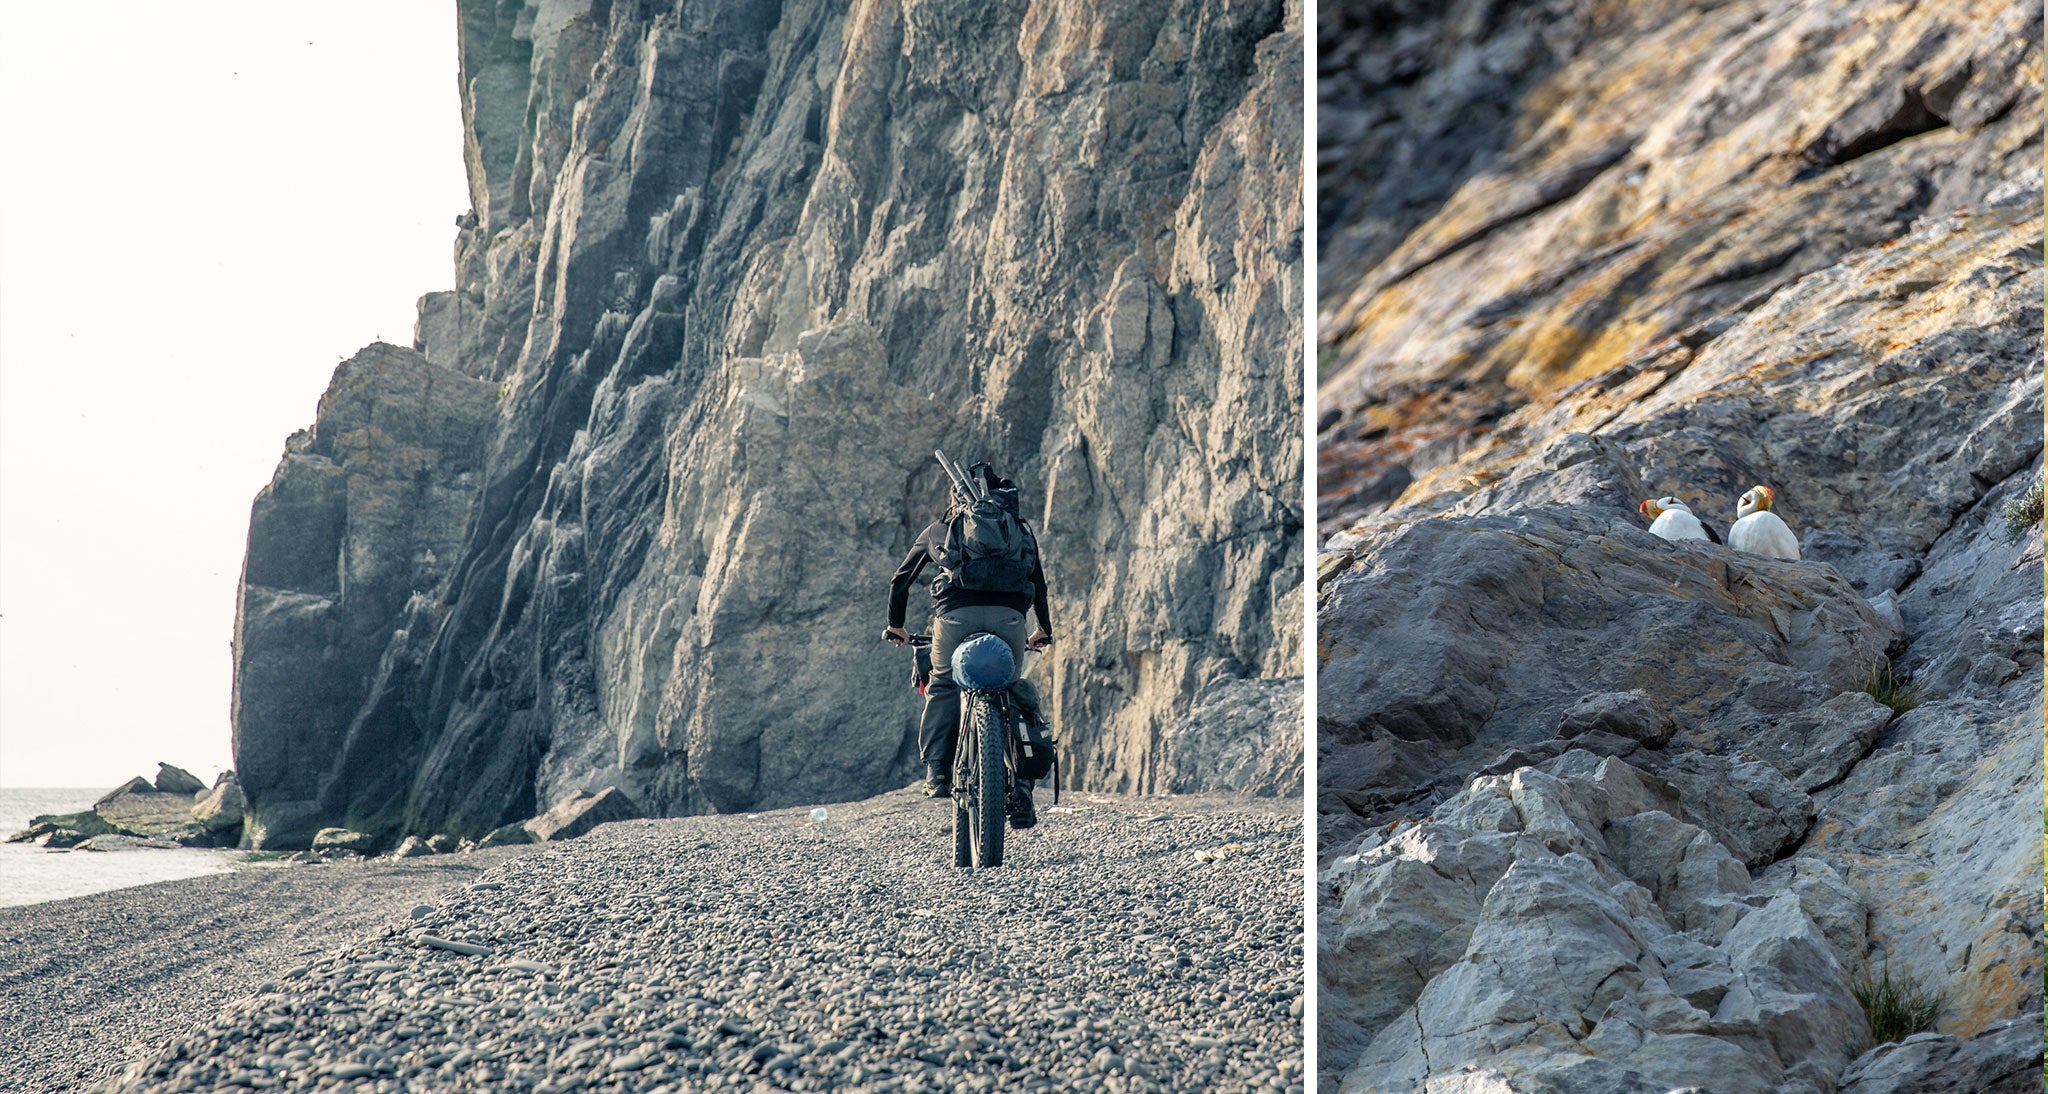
column 1701, row 249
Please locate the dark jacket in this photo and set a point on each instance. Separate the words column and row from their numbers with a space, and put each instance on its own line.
column 946, row 597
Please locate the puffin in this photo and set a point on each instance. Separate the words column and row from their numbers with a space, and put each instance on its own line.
column 1759, row 530
column 1672, row 519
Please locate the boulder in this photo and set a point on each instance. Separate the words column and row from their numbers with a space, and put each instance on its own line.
column 1816, row 747
column 88, row 822
column 136, row 785
column 412, row 847
column 509, row 835
column 331, row 840
column 1470, row 635
column 177, row 780
column 441, row 843
column 582, row 811
column 120, row 841
column 2003, row 1059
column 1628, row 714
column 1747, row 804
column 220, row 809
column 141, row 809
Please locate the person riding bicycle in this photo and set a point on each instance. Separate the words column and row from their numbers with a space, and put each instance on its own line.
column 993, row 599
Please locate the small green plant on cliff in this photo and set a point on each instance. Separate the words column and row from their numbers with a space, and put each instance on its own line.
column 1890, row 690
column 1896, row 1009
column 2021, row 514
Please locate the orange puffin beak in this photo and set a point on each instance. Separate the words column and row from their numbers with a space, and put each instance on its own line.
column 1650, row 509
column 1769, row 496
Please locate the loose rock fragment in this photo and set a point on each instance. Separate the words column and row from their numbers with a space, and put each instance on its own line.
column 469, row 949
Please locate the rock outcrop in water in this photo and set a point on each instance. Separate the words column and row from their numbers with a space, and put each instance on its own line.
column 176, row 810
column 625, row 515
column 1604, row 812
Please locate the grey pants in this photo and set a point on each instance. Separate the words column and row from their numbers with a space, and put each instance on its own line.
column 940, row 730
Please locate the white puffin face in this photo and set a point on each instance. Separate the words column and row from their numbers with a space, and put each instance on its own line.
column 1673, row 503
column 1756, row 500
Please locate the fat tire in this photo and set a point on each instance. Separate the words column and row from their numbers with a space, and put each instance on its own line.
column 991, row 799
column 963, row 839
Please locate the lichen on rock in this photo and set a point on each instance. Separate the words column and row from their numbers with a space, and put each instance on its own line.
column 1685, row 252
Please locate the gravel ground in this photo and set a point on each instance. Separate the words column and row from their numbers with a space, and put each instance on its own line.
column 81, row 980
column 1113, row 951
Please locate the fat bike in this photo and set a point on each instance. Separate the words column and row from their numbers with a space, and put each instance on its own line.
column 983, row 669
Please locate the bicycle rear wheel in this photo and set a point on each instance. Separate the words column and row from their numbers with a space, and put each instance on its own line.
column 990, row 799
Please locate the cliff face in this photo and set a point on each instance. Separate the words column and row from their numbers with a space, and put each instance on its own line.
column 733, row 270
column 1599, row 810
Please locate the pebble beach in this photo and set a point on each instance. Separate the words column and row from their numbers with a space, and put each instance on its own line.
column 88, row 981
column 1126, row 945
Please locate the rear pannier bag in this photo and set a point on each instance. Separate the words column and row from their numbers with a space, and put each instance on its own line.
column 1033, row 750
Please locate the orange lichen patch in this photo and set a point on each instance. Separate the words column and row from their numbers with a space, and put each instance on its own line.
column 1543, row 353
column 1346, row 465
column 1396, row 432
column 1365, row 316
column 1991, row 993
column 1616, row 342
column 1822, row 833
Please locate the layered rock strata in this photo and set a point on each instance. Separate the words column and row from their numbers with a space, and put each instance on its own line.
column 1601, row 811
column 732, row 271
column 1519, row 201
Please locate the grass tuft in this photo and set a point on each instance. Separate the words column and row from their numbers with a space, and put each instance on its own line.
column 2021, row 514
column 1896, row 1009
column 1892, row 691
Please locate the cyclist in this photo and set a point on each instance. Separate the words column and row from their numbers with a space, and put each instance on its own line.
column 987, row 590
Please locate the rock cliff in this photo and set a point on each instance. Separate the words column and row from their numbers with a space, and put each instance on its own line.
column 626, row 512
column 1604, row 812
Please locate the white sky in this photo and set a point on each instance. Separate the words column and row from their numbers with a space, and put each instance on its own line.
column 205, row 208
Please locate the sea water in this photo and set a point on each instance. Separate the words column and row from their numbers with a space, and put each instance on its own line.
column 31, row 874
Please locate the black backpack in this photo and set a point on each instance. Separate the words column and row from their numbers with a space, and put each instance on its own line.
column 987, row 546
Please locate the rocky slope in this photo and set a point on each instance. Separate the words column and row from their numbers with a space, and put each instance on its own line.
column 663, row 955
column 625, row 514
column 1599, row 811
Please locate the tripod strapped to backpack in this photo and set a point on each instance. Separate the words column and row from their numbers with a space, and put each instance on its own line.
column 987, row 547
